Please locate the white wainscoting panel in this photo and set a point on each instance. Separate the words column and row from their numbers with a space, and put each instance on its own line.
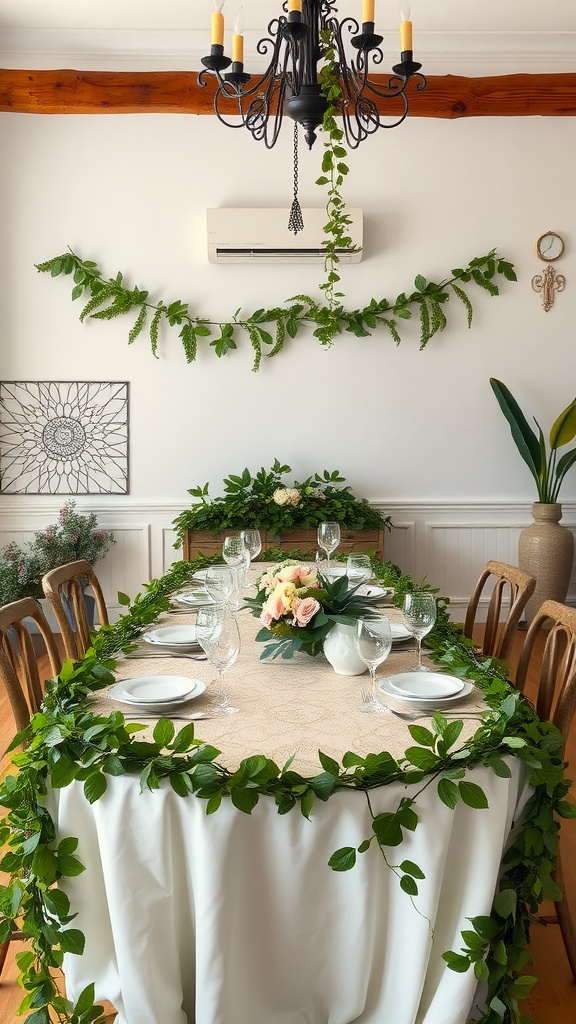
column 449, row 542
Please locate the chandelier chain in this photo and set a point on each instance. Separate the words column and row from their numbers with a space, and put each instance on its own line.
column 295, row 220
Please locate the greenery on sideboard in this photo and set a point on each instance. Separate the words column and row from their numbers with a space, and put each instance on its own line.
column 66, row 741
column 263, row 501
column 268, row 330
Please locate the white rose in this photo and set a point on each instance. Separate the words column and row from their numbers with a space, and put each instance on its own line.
column 293, row 496
column 280, row 496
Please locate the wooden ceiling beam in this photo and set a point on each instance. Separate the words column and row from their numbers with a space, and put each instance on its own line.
column 178, row 92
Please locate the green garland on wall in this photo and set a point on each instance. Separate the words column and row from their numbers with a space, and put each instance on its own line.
column 268, row 329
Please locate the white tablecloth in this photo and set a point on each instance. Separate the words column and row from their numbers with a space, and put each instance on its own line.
column 237, row 919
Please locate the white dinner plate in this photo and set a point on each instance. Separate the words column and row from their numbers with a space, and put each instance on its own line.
column 400, row 632
column 425, row 684
column 172, row 636
column 156, row 691
column 200, row 574
column 370, row 593
column 194, row 598
column 437, row 702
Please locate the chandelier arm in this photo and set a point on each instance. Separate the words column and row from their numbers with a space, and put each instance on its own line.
column 396, row 86
column 263, row 124
column 336, row 30
column 222, row 93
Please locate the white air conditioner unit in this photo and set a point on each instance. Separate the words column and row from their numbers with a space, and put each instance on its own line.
column 262, row 236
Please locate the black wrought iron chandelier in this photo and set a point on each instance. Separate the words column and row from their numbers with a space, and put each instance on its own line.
column 290, row 85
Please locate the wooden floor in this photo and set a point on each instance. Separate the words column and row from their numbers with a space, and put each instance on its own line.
column 553, row 1000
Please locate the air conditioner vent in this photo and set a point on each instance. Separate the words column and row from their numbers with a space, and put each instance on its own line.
column 260, row 235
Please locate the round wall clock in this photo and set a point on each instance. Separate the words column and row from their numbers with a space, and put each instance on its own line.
column 550, row 246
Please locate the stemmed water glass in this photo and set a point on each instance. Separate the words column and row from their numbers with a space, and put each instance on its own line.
column 219, row 583
column 328, row 539
column 253, row 544
column 217, row 633
column 358, row 568
column 373, row 643
column 235, row 554
column 419, row 615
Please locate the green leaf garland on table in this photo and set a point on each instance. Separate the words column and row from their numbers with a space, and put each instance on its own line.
column 267, row 329
column 66, row 741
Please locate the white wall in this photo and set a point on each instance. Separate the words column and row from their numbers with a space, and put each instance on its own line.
column 418, row 432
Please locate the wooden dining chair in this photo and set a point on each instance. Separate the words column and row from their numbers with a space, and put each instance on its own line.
column 511, row 584
column 64, row 587
column 20, row 676
column 552, row 638
column 18, row 662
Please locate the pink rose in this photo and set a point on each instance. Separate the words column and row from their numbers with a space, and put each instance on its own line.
column 290, row 573
column 275, row 606
column 266, row 619
column 306, row 611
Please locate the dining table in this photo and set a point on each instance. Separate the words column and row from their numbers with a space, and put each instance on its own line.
column 237, row 918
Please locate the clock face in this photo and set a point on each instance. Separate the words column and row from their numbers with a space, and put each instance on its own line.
column 549, row 246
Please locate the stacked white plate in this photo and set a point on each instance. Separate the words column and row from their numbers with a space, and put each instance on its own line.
column 371, row 593
column 400, row 633
column 194, row 598
column 172, row 636
column 368, row 592
column 156, row 693
column 428, row 688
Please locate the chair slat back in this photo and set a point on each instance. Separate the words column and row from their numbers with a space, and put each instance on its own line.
column 556, row 702
column 18, row 663
column 64, row 587
column 557, row 685
column 511, row 585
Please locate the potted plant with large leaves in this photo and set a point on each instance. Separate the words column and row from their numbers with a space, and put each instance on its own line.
column 545, row 548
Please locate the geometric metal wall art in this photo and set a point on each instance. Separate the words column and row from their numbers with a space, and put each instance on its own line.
column 64, row 437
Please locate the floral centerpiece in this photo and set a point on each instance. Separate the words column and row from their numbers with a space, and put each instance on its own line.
column 298, row 607
column 73, row 537
column 264, row 502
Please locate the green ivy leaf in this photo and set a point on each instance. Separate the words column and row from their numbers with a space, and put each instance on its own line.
column 472, row 795
column 164, row 732
column 408, row 885
column 448, row 792
column 410, row 868
column 244, row 799
column 505, row 902
column 343, row 859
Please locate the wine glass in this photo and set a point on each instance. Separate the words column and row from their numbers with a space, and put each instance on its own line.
column 373, row 642
column 235, row 553
column 328, row 539
column 253, row 544
column 358, row 568
column 219, row 583
column 419, row 615
column 217, row 633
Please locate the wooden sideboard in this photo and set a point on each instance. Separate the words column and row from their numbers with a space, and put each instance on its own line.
column 200, row 542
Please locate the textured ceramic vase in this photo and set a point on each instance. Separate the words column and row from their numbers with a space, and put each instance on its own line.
column 340, row 651
column 546, row 549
